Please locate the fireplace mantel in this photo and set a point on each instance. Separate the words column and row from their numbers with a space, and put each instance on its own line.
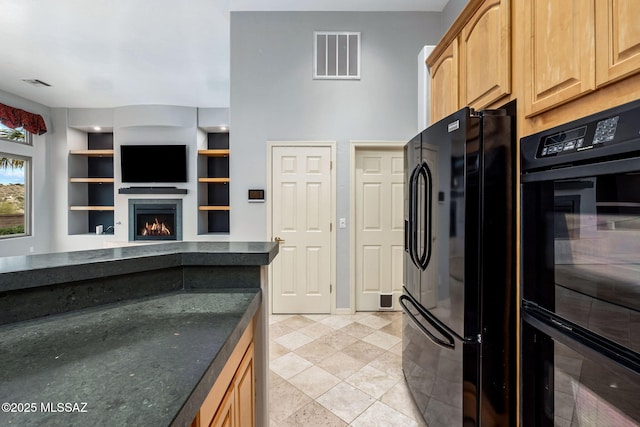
column 152, row 190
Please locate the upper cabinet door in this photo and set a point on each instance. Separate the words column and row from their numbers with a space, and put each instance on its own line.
column 559, row 47
column 444, row 83
column 618, row 39
column 485, row 55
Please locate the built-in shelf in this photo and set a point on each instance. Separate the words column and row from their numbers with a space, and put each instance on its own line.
column 213, row 208
column 213, row 180
column 91, row 184
column 92, row 180
column 213, row 189
column 214, row 153
column 152, row 190
column 92, row 153
column 91, row 208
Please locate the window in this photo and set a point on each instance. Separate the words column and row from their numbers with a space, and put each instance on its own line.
column 337, row 55
column 14, row 184
column 15, row 135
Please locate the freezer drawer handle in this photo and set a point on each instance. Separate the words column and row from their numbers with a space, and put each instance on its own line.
column 450, row 343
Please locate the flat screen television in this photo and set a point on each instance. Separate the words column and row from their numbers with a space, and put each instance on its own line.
column 153, row 163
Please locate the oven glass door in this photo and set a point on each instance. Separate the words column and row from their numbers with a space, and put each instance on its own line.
column 581, row 249
column 565, row 384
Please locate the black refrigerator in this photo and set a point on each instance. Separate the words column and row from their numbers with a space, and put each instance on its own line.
column 459, row 296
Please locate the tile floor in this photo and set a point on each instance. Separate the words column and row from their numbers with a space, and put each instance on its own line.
column 338, row 370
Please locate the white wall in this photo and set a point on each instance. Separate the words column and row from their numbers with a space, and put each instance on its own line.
column 67, row 130
column 450, row 13
column 146, row 125
column 142, row 124
column 273, row 97
column 424, row 88
column 41, row 197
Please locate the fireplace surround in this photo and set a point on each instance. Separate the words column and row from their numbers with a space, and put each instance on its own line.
column 155, row 219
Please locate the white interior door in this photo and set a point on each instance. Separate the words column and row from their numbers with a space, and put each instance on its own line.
column 301, row 218
column 379, row 193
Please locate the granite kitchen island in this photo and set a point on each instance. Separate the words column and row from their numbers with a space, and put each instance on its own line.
column 128, row 336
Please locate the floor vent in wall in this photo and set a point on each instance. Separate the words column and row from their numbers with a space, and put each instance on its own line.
column 337, row 55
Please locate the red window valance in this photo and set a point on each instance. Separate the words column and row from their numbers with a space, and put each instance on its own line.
column 15, row 118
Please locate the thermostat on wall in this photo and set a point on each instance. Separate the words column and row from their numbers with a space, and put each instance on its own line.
column 256, row 196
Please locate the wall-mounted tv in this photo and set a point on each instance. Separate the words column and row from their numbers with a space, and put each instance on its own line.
column 153, row 163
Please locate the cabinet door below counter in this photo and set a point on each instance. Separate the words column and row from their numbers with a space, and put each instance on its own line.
column 231, row 401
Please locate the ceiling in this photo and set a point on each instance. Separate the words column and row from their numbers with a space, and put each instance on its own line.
column 108, row 53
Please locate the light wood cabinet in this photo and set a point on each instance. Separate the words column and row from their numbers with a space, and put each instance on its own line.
column 238, row 405
column 485, row 55
column 559, row 51
column 231, row 401
column 245, row 392
column 444, row 83
column 617, row 40
column 225, row 415
column 472, row 67
column 561, row 59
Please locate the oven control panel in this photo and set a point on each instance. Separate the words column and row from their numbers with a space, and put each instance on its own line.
column 606, row 130
column 579, row 139
column 610, row 134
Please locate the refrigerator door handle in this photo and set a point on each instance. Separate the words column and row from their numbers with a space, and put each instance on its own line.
column 418, row 172
column 412, row 231
column 449, row 343
column 425, row 173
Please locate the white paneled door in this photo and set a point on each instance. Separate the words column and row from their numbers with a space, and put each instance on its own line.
column 301, row 220
column 379, row 196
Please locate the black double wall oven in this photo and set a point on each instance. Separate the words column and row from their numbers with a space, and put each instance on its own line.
column 580, row 277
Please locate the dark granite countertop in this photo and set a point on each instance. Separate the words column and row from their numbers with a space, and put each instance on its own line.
column 21, row 272
column 144, row 362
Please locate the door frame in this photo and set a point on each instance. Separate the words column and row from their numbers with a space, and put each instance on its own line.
column 355, row 146
column 332, row 256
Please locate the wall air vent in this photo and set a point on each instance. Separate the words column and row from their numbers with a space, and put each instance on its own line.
column 336, row 55
column 36, row 82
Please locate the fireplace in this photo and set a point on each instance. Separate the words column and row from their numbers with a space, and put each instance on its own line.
column 155, row 219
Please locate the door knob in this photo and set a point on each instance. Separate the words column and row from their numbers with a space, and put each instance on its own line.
column 279, row 240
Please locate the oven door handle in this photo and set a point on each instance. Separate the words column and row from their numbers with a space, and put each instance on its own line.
column 449, row 343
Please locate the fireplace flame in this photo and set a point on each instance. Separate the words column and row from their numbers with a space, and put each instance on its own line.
column 155, row 228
